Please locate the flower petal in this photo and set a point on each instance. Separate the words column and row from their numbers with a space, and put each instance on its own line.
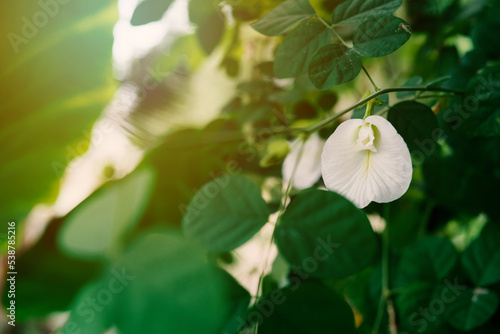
column 366, row 175
column 309, row 167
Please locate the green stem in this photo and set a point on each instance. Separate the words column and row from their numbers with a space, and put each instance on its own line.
column 333, row 31
column 370, row 78
column 385, row 292
column 280, row 213
column 234, row 136
column 324, row 22
column 329, row 120
column 339, row 37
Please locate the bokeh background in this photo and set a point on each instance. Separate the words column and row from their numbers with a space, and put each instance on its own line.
column 113, row 115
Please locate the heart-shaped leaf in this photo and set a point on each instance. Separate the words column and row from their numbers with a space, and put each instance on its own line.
column 225, row 213
column 325, row 235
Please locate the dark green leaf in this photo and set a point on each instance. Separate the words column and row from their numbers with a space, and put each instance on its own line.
column 333, row 65
column 413, row 304
column 472, row 308
column 284, row 17
column 149, row 11
column 106, row 217
column 225, row 213
column 480, row 105
column 415, row 122
column 298, row 47
column 381, row 36
column 302, row 308
column 325, row 235
column 481, row 259
column 354, row 12
column 412, row 82
column 429, row 259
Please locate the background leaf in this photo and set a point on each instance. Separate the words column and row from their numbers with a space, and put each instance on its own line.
column 333, row 65
column 209, row 20
column 225, row 213
column 381, row 36
column 55, row 84
column 185, row 294
column 481, row 259
column 354, row 12
column 411, row 82
column 472, row 308
column 415, row 122
column 298, row 47
column 429, row 259
column 305, row 307
column 106, row 217
column 283, row 17
column 326, row 235
column 148, row 11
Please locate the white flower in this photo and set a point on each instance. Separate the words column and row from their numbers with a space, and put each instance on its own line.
column 366, row 160
column 308, row 169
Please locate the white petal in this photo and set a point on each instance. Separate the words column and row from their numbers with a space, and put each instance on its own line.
column 367, row 175
column 309, row 167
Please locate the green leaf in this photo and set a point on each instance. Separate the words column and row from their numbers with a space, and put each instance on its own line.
column 325, row 235
column 429, row 259
column 381, row 36
column 283, row 17
column 45, row 124
column 163, row 284
column 298, row 47
column 472, row 308
column 148, row 11
column 481, row 259
column 354, row 12
column 413, row 304
column 415, row 122
column 304, row 307
column 412, row 82
column 480, row 105
column 106, row 217
column 209, row 20
column 333, row 65
column 210, row 31
column 225, row 213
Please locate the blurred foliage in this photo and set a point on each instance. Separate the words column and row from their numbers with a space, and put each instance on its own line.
column 145, row 254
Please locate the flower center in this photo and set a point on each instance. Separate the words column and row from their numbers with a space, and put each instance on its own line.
column 366, row 138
